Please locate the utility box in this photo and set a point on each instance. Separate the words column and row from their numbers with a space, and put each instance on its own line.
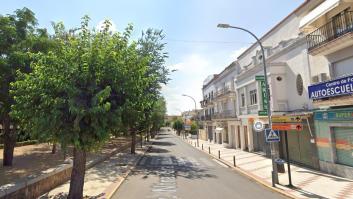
column 280, row 165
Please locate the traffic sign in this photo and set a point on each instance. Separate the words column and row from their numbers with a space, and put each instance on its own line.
column 259, row 126
column 285, row 119
column 286, row 126
column 272, row 135
column 187, row 127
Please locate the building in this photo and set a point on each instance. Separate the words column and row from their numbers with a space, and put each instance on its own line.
column 329, row 33
column 219, row 107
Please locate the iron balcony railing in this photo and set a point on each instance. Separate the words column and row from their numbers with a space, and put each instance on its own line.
column 338, row 26
column 225, row 114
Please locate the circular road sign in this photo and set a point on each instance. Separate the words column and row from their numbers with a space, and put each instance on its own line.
column 259, row 125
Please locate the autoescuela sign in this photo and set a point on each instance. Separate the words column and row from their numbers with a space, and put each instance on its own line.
column 341, row 86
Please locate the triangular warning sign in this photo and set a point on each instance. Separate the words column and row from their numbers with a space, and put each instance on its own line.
column 272, row 135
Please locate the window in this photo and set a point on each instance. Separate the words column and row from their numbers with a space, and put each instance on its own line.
column 242, row 100
column 300, row 85
column 253, row 97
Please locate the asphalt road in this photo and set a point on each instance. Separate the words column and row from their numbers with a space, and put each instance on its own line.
column 173, row 169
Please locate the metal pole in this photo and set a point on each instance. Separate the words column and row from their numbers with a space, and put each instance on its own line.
column 209, row 150
column 288, row 161
column 269, row 112
column 234, row 161
column 202, row 146
column 219, row 154
column 197, row 129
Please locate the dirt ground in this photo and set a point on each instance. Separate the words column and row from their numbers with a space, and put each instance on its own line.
column 32, row 159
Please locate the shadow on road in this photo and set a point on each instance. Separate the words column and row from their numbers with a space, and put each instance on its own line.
column 186, row 170
column 158, row 143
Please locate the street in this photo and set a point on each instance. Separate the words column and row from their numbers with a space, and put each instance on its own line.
column 174, row 169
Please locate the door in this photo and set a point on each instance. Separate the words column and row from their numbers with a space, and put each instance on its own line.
column 238, row 136
column 246, row 138
column 343, row 137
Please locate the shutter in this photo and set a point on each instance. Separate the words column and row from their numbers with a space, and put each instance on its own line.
column 343, row 67
column 343, row 145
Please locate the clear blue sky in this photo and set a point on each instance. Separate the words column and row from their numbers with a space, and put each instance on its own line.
column 195, row 46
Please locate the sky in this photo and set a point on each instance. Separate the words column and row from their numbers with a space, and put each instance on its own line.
column 196, row 47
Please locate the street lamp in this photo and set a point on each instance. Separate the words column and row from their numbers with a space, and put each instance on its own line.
column 197, row 132
column 273, row 149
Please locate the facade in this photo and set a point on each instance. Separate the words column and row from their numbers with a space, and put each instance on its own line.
column 329, row 34
column 219, row 104
column 309, row 56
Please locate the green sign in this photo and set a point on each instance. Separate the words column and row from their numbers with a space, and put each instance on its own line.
column 264, row 95
column 260, row 78
column 263, row 113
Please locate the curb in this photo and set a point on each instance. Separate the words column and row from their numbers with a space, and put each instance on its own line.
column 113, row 188
column 249, row 176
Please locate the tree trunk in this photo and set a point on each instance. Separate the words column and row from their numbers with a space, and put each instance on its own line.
column 9, row 140
column 53, row 150
column 78, row 174
column 148, row 135
column 133, row 141
column 141, row 139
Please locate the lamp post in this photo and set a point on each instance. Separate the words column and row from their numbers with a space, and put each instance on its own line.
column 269, row 113
column 197, row 130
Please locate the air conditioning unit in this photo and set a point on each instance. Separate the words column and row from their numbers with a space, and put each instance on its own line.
column 323, row 77
column 319, row 78
column 315, row 79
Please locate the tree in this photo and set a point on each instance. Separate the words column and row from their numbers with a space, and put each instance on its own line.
column 18, row 37
column 77, row 93
column 178, row 125
column 139, row 114
column 194, row 127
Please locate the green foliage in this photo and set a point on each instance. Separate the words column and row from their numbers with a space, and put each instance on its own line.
column 79, row 91
column 194, row 128
column 18, row 37
column 178, row 125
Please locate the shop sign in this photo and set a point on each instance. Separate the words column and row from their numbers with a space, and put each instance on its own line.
column 262, row 113
column 337, row 87
column 334, row 115
column 265, row 102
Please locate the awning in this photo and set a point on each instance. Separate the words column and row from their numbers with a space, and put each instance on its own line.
column 319, row 11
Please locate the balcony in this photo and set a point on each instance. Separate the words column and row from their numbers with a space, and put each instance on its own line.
column 333, row 36
column 224, row 92
column 225, row 114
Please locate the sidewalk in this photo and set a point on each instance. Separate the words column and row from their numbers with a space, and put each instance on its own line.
column 101, row 180
column 308, row 183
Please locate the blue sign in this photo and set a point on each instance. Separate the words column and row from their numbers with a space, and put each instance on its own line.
column 341, row 86
column 272, row 135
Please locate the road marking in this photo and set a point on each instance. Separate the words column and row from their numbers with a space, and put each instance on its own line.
column 166, row 187
column 167, row 161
